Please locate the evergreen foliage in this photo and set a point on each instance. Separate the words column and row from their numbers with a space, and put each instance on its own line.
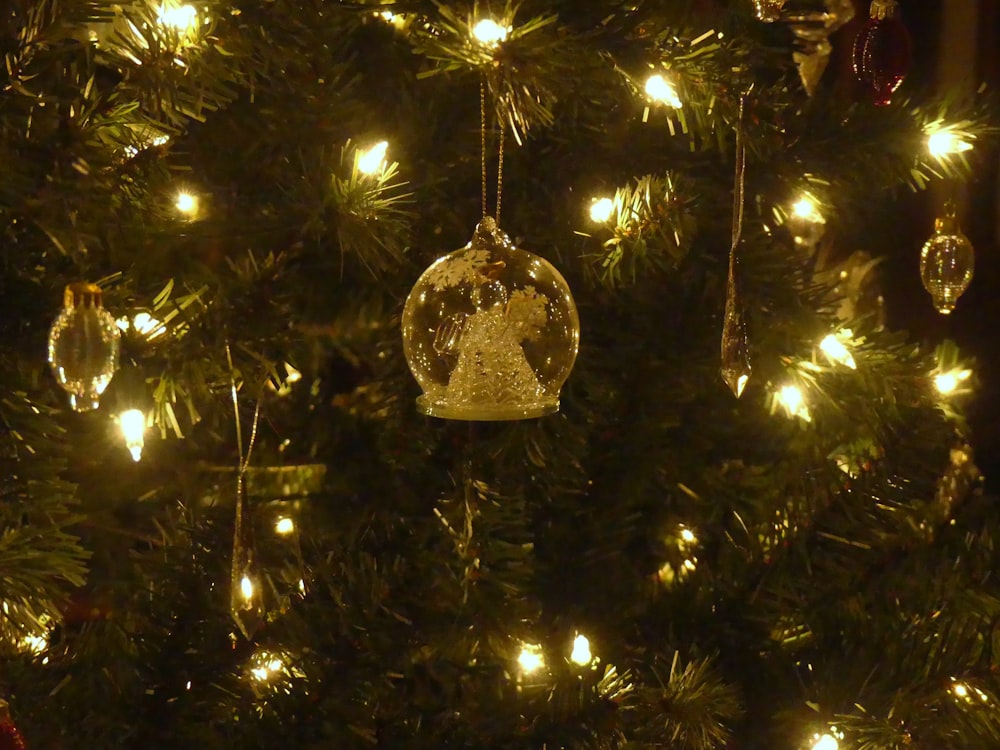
column 747, row 578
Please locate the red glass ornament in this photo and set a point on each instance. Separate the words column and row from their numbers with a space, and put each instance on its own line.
column 882, row 51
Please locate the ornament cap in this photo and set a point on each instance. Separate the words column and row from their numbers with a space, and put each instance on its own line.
column 884, row 9
column 82, row 294
column 947, row 224
column 489, row 236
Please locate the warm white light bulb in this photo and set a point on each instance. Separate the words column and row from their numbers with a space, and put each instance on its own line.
column 372, row 161
column 601, row 210
column 284, row 526
column 945, row 143
column 826, row 742
column 791, row 398
column 961, row 690
column 178, row 17
column 688, row 536
column 246, row 587
column 530, row 659
column 807, row 209
column 133, row 426
column 147, row 325
column 948, row 382
column 489, row 32
column 659, row 89
column 581, row 651
column 186, row 203
column 835, row 349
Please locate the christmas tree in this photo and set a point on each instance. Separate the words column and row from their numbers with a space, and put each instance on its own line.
column 754, row 520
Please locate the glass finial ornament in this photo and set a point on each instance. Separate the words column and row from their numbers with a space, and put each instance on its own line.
column 83, row 346
column 947, row 263
column 812, row 29
column 490, row 332
column 882, row 51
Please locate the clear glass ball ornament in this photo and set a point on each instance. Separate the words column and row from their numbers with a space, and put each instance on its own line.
column 83, row 346
column 947, row 263
column 490, row 332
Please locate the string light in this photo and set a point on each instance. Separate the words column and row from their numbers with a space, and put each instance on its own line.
column 833, row 347
column 945, row 142
column 807, row 209
column 266, row 666
column 284, row 526
column 601, row 210
column 659, row 89
column 581, row 651
column 825, row 742
column 178, row 17
column 947, row 383
column 489, row 32
column 791, row 398
column 530, row 660
column 688, row 536
column 960, row 690
column 186, row 203
column 372, row 161
column 133, row 427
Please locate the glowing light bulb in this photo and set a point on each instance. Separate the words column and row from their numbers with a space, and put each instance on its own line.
column 266, row 665
column 945, row 143
column 186, row 203
column 489, row 32
column 791, row 398
column 372, row 161
column 601, row 210
column 807, row 209
column 825, row 742
column 948, row 383
column 960, row 690
column 246, row 588
column 133, row 426
column 284, row 526
column 178, row 17
column 688, row 536
column 834, row 348
column 530, row 659
column 581, row 651
column 659, row 89
column 147, row 325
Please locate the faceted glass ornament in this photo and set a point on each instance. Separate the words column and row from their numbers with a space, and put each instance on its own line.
column 882, row 51
column 947, row 263
column 83, row 346
column 490, row 332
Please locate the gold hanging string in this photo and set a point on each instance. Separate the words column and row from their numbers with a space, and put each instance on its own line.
column 482, row 137
column 503, row 131
column 482, row 151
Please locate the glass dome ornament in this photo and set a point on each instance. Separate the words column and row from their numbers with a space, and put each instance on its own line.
column 490, row 332
column 83, row 346
column 947, row 263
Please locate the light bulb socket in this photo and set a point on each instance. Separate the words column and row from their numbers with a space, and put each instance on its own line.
column 83, row 294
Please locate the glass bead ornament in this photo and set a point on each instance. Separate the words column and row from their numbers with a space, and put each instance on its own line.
column 83, row 346
column 947, row 263
column 490, row 332
column 882, row 51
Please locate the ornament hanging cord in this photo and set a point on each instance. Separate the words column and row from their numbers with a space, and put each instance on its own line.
column 243, row 461
column 482, row 150
column 739, row 186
